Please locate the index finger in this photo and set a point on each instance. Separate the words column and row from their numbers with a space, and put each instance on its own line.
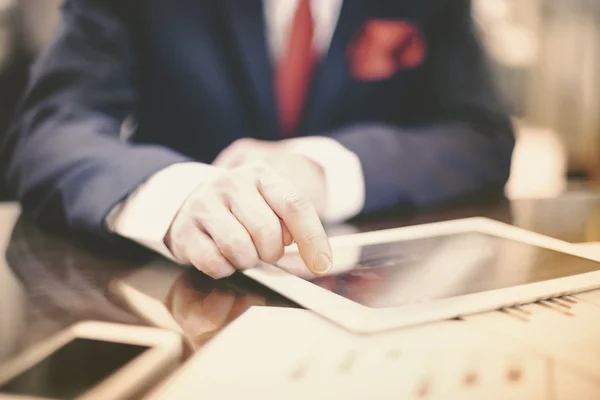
column 300, row 217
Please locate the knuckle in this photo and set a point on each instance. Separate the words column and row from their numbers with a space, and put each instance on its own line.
column 248, row 261
column 229, row 189
column 274, row 254
column 268, row 238
column 234, row 247
column 226, row 182
column 267, row 230
column 213, row 262
column 215, row 266
column 297, row 204
column 231, row 184
column 312, row 237
column 197, row 204
column 272, row 183
column 240, row 251
column 256, row 168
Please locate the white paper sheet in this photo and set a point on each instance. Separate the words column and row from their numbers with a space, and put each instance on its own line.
column 272, row 353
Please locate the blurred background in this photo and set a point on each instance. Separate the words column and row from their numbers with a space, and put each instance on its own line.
column 545, row 53
column 546, row 56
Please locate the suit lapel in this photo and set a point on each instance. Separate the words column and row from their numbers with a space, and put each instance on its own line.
column 332, row 72
column 247, row 24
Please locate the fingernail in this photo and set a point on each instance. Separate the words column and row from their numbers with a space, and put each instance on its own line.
column 322, row 263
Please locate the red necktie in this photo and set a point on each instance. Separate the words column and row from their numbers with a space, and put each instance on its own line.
column 295, row 69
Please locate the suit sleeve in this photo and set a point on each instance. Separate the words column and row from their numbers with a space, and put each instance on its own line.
column 64, row 157
column 461, row 140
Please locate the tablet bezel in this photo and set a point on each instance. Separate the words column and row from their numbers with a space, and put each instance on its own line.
column 362, row 319
column 162, row 357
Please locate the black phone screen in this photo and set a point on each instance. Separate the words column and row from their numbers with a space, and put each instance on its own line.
column 73, row 369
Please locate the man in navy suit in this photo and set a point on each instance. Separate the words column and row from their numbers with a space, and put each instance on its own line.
column 217, row 131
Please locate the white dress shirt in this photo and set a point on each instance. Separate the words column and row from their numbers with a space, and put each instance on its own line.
column 145, row 216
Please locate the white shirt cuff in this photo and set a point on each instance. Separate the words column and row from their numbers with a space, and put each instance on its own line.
column 146, row 215
column 344, row 180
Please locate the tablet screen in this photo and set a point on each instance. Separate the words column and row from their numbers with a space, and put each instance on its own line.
column 419, row 270
column 73, row 369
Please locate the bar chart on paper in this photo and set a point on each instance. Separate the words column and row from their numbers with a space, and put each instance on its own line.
column 548, row 350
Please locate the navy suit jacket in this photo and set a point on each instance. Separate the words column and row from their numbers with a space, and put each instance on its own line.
column 197, row 75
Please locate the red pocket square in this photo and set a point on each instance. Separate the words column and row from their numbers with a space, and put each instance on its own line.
column 383, row 47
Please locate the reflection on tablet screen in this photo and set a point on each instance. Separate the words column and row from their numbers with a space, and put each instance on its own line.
column 417, row 270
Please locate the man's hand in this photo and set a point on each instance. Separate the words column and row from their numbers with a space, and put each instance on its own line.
column 305, row 174
column 245, row 215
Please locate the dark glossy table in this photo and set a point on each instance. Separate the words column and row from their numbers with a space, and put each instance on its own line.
column 48, row 282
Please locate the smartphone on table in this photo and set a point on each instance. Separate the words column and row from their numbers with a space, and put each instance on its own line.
column 92, row 360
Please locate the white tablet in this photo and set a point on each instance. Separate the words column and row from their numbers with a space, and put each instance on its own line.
column 399, row 277
column 92, row 360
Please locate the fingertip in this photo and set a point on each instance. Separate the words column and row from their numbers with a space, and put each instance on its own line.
column 322, row 264
column 316, row 254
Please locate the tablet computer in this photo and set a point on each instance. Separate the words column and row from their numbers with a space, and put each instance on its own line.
column 92, row 360
column 399, row 277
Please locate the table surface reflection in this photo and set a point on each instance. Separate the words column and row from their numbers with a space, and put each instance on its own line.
column 49, row 282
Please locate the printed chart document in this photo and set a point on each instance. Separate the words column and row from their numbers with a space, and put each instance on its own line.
column 277, row 353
